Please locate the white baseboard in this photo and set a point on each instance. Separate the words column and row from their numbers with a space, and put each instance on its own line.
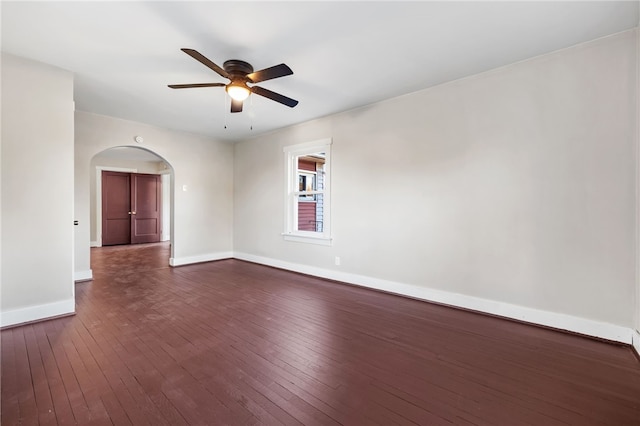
column 94, row 244
column 179, row 261
column 83, row 275
column 38, row 312
column 636, row 341
column 571, row 323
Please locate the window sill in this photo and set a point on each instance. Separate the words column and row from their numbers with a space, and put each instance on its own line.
column 323, row 241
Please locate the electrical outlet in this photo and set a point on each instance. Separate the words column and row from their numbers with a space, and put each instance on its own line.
column 337, row 261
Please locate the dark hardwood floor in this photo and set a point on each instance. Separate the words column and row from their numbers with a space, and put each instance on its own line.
column 236, row 343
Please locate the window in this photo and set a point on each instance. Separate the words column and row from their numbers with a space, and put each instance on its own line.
column 307, row 192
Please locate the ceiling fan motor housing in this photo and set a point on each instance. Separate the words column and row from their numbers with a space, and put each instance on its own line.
column 237, row 69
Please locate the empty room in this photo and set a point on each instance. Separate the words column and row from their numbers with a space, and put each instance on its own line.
column 320, row 213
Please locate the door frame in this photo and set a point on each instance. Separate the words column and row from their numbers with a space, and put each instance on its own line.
column 99, row 169
column 167, row 200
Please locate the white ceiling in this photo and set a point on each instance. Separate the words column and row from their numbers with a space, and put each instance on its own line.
column 343, row 54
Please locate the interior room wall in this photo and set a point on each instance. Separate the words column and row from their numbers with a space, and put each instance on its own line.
column 152, row 167
column 37, row 191
column 513, row 190
column 637, row 323
column 203, row 184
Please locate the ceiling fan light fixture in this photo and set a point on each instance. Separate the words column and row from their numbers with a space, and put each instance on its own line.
column 240, row 73
column 238, row 91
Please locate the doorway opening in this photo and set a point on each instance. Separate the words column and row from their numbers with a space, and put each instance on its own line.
column 145, row 171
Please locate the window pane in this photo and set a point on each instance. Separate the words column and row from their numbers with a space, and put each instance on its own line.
column 310, row 171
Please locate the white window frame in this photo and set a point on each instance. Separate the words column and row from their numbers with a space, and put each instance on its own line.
column 292, row 193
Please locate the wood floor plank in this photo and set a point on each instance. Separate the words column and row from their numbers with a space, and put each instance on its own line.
column 73, row 391
column 61, row 405
column 236, row 343
column 8, row 372
column 26, row 396
column 41, row 390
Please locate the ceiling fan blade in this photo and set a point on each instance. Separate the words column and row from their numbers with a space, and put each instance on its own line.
column 236, row 106
column 274, row 96
column 269, row 73
column 188, row 86
column 205, row 61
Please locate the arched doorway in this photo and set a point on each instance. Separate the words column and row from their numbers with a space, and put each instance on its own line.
column 134, row 160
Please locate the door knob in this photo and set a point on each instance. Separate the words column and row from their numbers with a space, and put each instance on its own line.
column 132, row 212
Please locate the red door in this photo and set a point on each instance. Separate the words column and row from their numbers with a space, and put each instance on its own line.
column 131, row 208
column 116, row 214
column 146, row 205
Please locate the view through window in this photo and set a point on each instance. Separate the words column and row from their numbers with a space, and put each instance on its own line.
column 307, row 218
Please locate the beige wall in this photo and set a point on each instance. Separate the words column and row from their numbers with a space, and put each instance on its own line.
column 37, row 191
column 637, row 323
column 203, row 216
column 515, row 186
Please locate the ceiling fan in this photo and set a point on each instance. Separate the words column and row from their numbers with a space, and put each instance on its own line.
column 240, row 73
